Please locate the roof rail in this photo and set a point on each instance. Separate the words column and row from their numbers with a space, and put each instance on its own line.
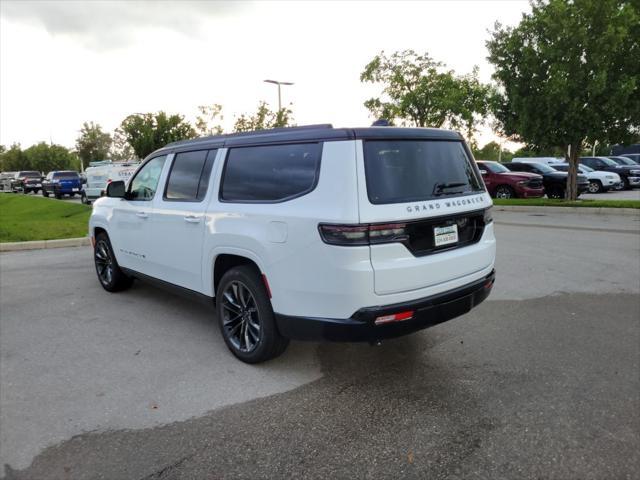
column 319, row 126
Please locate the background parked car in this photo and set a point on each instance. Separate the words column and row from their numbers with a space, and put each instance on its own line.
column 503, row 183
column 547, row 160
column 555, row 182
column 598, row 181
column 629, row 174
column 27, row 181
column 99, row 176
column 623, row 160
column 633, row 156
column 5, row 180
column 62, row 182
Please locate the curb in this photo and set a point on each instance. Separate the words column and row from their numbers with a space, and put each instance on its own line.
column 45, row 244
column 575, row 210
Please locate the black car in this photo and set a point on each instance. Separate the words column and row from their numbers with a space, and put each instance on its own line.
column 623, row 160
column 27, row 181
column 555, row 182
column 629, row 174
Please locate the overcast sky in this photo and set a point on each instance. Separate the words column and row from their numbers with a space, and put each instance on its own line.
column 66, row 62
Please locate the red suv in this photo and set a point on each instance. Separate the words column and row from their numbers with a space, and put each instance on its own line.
column 503, row 183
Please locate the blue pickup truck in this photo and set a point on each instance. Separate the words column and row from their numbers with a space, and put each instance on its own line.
column 62, row 182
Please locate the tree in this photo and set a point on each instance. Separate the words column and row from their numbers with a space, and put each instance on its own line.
column 121, row 151
column 569, row 74
column 93, row 144
column 45, row 157
column 148, row 132
column 207, row 123
column 264, row 118
column 491, row 151
column 13, row 159
column 419, row 91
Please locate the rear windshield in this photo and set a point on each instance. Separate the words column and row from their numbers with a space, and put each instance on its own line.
column 29, row 174
column 400, row 171
column 65, row 175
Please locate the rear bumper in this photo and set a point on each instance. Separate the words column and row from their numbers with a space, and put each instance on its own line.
column 360, row 327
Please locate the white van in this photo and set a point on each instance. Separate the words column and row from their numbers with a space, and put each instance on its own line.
column 547, row 160
column 306, row 233
column 99, row 176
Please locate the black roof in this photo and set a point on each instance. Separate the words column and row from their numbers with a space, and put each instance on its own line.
column 311, row 133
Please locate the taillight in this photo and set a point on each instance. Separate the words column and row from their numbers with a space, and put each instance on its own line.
column 488, row 215
column 396, row 317
column 362, row 234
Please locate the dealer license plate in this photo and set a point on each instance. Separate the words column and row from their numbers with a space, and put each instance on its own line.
column 75, row 189
column 445, row 235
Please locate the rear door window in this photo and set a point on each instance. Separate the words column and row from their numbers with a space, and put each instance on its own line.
column 270, row 173
column 189, row 176
column 400, row 171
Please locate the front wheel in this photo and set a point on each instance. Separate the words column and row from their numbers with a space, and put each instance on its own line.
column 556, row 193
column 45, row 193
column 246, row 317
column 111, row 277
column 505, row 191
column 595, row 186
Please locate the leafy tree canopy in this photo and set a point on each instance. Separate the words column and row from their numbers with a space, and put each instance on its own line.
column 93, row 144
column 42, row 157
column 208, row 120
column 264, row 118
column 149, row 131
column 120, row 150
column 419, row 91
column 569, row 73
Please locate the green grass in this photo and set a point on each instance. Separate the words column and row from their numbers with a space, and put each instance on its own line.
column 26, row 217
column 545, row 202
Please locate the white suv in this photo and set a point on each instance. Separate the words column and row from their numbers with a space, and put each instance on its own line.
column 306, row 233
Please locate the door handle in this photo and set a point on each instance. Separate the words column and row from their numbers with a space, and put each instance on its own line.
column 141, row 215
column 192, row 219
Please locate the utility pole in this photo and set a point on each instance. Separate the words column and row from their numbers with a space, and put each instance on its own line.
column 279, row 84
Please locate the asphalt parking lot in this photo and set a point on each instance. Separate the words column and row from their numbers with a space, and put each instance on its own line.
column 540, row 381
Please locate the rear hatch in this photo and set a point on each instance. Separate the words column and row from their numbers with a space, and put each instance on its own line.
column 425, row 204
column 68, row 181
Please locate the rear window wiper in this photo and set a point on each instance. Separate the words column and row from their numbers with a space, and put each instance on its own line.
column 439, row 187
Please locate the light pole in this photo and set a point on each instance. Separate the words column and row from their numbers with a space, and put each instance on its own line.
column 276, row 82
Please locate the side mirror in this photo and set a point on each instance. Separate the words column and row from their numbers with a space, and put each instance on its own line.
column 116, row 189
column 483, row 172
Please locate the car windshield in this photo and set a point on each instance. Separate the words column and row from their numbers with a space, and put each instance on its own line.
column 495, row 167
column 400, row 171
column 543, row 167
column 584, row 168
column 623, row 161
column 608, row 161
column 65, row 175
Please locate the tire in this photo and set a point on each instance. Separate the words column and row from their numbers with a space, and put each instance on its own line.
column 556, row 193
column 245, row 316
column 505, row 191
column 625, row 184
column 83, row 199
column 58, row 195
column 109, row 274
column 595, row 186
column 45, row 193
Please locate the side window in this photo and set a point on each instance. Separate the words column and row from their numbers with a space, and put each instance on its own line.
column 270, row 173
column 189, row 176
column 144, row 184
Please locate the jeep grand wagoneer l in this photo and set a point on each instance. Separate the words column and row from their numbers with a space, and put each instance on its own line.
column 306, row 233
